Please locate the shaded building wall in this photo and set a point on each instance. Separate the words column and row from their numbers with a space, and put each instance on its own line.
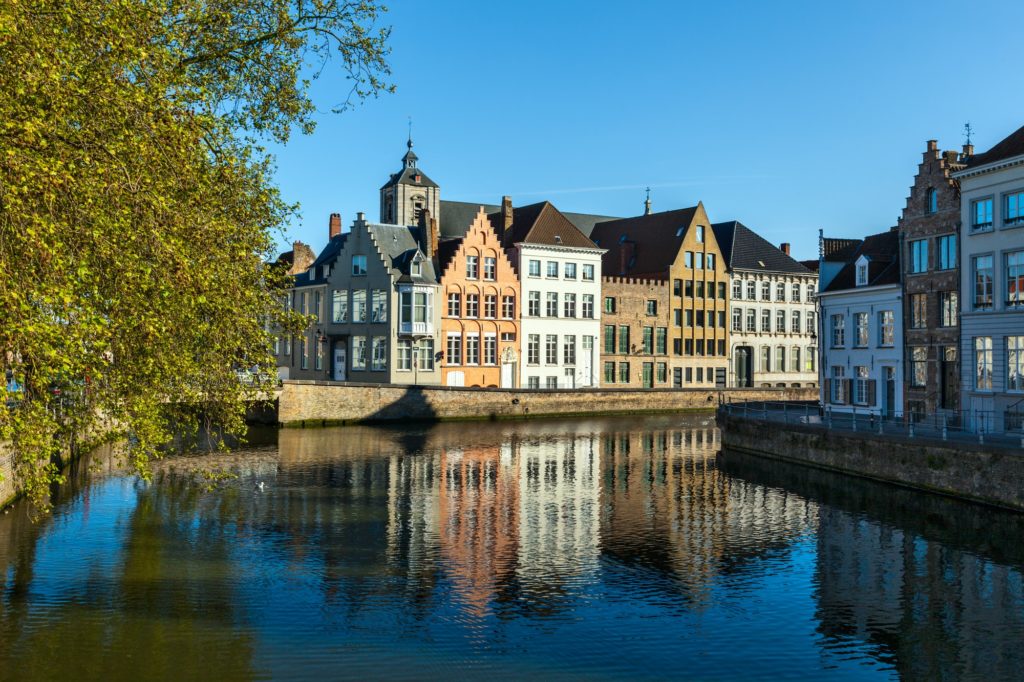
column 625, row 362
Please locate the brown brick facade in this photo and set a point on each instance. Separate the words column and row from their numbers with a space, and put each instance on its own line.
column 635, row 341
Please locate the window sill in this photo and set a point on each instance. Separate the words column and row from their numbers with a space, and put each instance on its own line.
column 981, row 229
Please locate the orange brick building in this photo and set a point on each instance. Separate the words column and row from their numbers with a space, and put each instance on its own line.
column 479, row 310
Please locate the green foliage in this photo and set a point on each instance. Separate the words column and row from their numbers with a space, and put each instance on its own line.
column 138, row 211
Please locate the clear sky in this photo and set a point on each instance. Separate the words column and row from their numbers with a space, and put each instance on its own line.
column 787, row 116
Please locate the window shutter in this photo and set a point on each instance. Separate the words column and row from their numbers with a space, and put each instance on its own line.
column 871, row 391
column 828, row 391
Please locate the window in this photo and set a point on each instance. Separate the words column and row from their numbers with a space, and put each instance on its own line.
column 533, row 304
column 918, row 365
column 919, row 256
column 415, row 307
column 766, row 320
column 737, row 319
column 359, row 352
column 795, row 293
column 1015, row 362
column 699, row 235
column 862, row 274
column 710, row 289
column 508, row 307
column 737, row 289
column 811, row 328
column 721, row 319
column 569, row 349
column 569, row 305
column 689, row 318
column 588, row 273
column 661, row 341
column 288, row 345
column 417, row 267
column 751, row 290
column 316, row 306
column 405, row 355
column 983, row 363
column 533, row 349
column 302, row 303
column 623, row 372
column 721, row 347
column 766, row 291
column 677, row 317
column 838, row 385
column 609, row 339
column 648, row 340
column 552, row 304
column 454, row 305
column 677, row 346
column 533, row 382
column 700, row 374
column 623, row 339
column 950, row 308
column 860, row 396
column 551, row 382
column 652, row 307
column 453, row 352
column 931, row 201
column 780, row 358
column 662, row 373
column 358, row 265
column 490, row 349
column 425, row 354
column 780, row 292
column 810, row 293
column 1014, row 278
column 534, row 268
column 780, row 321
column 1013, row 209
column 947, row 252
column 795, row 323
column 688, row 288
column 588, row 306
column 886, row 328
column 982, row 213
column 700, row 289
column 359, row 306
column 860, row 321
column 609, row 372
column 472, row 349
column 698, row 261
column 751, row 320
column 766, row 359
column 794, row 359
column 552, row 268
column 508, row 336
column 380, row 354
column 810, row 357
column 551, row 349
column 570, row 271
column 379, row 306
column 319, row 362
column 918, row 311
column 982, row 269
column 699, row 346
column 710, row 262
column 339, row 306
column 677, row 287
column 490, row 306
column 490, row 268
column 838, row 331
column 472, row 305
column 609, row 304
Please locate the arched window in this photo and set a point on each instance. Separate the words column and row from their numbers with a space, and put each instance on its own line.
column 932, row 201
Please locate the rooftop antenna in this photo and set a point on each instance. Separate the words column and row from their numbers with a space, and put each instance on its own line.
column 967, row 132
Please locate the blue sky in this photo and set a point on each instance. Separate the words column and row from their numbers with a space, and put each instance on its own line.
column 788, row 116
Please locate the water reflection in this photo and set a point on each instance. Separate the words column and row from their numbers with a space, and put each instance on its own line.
column 619, row 548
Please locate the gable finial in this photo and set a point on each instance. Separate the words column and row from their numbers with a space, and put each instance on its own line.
column 409, row 143
column 647, row 202
column 967, row 132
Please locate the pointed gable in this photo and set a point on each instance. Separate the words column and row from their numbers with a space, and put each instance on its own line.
column 542, row 223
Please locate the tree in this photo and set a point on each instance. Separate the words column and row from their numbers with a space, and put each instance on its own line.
column 138, row 210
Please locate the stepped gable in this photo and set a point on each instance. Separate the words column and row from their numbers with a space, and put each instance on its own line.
column 883, row 253
column 397, row 246
column 744, row 249
column 648, row 245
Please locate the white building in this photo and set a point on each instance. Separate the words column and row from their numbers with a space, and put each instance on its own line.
column 992, row 286
column 772, row 311
column 560, row 279
column 861, row 329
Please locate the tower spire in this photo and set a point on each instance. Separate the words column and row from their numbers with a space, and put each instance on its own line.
column 409, row 143
column 647, row 202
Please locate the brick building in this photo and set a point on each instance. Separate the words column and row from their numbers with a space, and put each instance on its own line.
column 930, row 232
column 634, row 338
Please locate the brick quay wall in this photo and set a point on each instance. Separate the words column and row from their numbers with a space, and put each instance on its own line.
column 316, row 403
column 981, row 473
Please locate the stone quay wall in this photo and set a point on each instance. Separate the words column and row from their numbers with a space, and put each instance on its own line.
column 8, row 491
column 988, row 474
column 317, row 403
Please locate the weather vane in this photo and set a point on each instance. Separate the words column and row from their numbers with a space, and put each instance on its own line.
column 967, row 131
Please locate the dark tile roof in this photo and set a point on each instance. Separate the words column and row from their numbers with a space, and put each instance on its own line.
column 399, row 244
column 1011, row 146
column 836, row 249
column 585, row 222
column 457, row 216
column 541, row 223
column 646, row 245
column 446, row 250
column 330, row 252
column 883, row 252
column 811, row 265
column 744, row 249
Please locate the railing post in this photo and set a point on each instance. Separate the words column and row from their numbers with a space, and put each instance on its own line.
column 880, row 423
column 981, row 432
column 855, row 419
column 828, row 416
column 785, row 415
column 945, row 434
column 910, row 429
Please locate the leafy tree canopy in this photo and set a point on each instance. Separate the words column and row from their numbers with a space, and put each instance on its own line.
column 138, row 210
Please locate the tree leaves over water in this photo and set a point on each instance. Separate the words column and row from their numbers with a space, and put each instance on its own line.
column 138, row 210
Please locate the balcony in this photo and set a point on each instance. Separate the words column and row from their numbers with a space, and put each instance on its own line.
column 406, row 328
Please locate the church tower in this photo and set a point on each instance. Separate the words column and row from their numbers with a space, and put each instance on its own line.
column 408, row 193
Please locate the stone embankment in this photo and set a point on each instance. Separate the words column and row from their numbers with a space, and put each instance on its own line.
column 990, row 474
column 316, row 403
column 8, row 491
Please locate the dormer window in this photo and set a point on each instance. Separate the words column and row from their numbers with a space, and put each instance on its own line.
column 417, row 268
column 862, row 271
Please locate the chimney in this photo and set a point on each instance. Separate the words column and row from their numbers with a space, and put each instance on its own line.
column 933, row 145
column 428, row 239
column 784, row 248
column 968, row 152
column 335, row 226
column 506, row 218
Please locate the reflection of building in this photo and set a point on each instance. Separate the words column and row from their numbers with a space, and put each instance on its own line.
column 929, row 608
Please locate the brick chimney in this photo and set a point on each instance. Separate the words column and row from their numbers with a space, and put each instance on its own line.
column 505, row 224
column 784, row 248
column 428, row 233
column 335, row 226
column 968, row 152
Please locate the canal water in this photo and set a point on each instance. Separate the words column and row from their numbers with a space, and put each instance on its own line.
column 617, row 548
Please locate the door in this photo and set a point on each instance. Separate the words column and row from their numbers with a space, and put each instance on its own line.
column 509, row 363
column 720, row 373
column 648, row 375
column 340, row 362
column 889, row 374
column 950, row 384
column 588, row 361
column 459, row 378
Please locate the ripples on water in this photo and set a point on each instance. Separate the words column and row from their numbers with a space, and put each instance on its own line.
column 599, row 549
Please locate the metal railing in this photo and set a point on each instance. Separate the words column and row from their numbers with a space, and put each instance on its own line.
column 977, row 426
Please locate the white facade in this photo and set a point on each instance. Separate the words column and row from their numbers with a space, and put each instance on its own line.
column 773, row 318
column 861, row 337
column 992, row 298
column 561, row 317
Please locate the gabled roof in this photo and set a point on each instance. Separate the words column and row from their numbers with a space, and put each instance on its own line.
column 457, row 216
column 330, row 252
column 446, row 250
column 883, row 254
column 541, row 223
column 647, row 244
column 1010, row 146
column 838, row 250
column 586, row 222
column 399, row 245
column 744, row 249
